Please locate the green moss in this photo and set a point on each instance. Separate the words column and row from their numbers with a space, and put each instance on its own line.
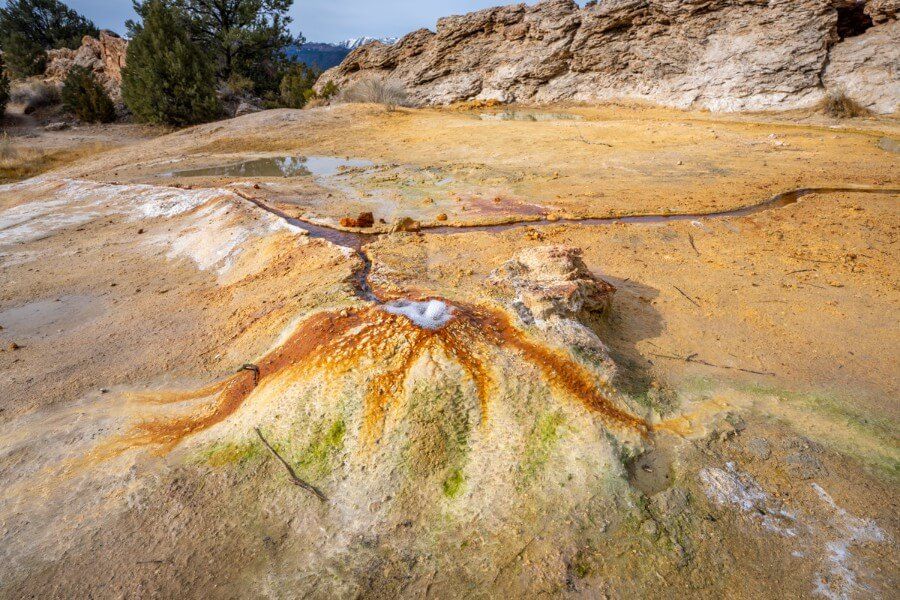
column 438, row 450
column 540, row 443
column 315, row 459
column 226, row 453
column 581, row 564
column 454, row 483
column 829, row 419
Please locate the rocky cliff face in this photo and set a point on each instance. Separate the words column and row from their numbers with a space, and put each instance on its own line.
column 104, row 55
column 722, row 55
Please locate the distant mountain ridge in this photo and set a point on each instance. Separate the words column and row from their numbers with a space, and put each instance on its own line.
column 354, row 43
column 324, row 55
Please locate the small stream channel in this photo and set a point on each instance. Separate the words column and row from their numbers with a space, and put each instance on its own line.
column 356, row 240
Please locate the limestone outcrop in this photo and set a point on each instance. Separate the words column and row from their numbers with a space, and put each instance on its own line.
column 103, row 55
column 550, row 288
column 721, row 55
column 865, row 68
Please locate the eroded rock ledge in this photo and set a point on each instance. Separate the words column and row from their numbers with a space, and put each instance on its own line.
column 722, row 55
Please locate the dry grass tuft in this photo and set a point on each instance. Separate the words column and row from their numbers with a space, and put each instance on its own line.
column 316, row 103
column 389, row 92
column 7, row 149
column 841, row 106
column 18, row 163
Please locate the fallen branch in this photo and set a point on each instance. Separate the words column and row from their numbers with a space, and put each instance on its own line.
column 815, row 260
column 294, row 479
column 693, row 245
column 692, row 358
column 691, row 300
column 581, row 138
column 254, row 369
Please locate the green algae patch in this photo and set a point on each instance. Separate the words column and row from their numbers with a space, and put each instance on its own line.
column 539, row 445
column 453, row 485
column 326, row 442
column 436, row 438
column 222, row 453
column 824, row 417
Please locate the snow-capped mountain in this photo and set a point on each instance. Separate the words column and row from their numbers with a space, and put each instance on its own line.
column 354, row 43
column 324, row 55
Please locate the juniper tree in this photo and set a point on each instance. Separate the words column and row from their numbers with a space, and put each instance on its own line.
column 28, row 28
column 296, row 87
column 83, row 95
column 4, row 88
column 167, row 79
column 245, row 38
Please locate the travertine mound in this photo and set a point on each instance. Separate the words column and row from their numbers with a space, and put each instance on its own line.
column 104, row 55
column 722, row 55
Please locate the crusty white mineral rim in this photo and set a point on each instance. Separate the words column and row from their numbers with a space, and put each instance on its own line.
column 429, row 314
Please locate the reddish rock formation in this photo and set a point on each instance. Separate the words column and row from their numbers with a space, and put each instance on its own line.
column 104, row 56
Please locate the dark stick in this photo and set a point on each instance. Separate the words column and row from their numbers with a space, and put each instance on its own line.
column 294, row 479
column 591, row 143
column 693, row 245
column 815, row 260
column 691, row 300
column 692, row 359
column 254, row 369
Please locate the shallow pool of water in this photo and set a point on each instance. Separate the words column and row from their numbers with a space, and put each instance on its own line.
column 520, row 115
column 889, row 144
column 276, row 166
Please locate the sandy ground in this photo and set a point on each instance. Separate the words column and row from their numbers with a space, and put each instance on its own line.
column 770, row 339
column 606, row 162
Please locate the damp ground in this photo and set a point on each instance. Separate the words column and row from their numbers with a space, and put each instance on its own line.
column 764, row 330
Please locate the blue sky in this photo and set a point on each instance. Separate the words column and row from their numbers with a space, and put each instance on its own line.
column 322, row 20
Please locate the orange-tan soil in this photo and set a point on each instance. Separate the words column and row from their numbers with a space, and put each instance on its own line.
column 770, row 340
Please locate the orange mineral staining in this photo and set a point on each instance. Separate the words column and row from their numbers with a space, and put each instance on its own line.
column 388, row 344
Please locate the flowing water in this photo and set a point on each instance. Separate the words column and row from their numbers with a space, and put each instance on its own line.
column 357, row 240
column 396, row 332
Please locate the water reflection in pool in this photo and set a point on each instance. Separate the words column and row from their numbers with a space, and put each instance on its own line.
column 521, row 115
column 276, row 166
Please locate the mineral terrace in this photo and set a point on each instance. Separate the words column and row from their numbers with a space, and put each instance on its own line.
column 608, row 351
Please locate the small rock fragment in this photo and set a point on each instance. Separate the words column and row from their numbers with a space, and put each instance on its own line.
column 405, row 224
column 364, row 219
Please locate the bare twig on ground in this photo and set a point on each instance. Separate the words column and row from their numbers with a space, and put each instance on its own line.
column 799, row 271
column 815, row 260
column 157, row 561
column 294, row 479
column 691, row 300
column 254, row 369
column 692, row 358
column 589, row 143
column 693, row 245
